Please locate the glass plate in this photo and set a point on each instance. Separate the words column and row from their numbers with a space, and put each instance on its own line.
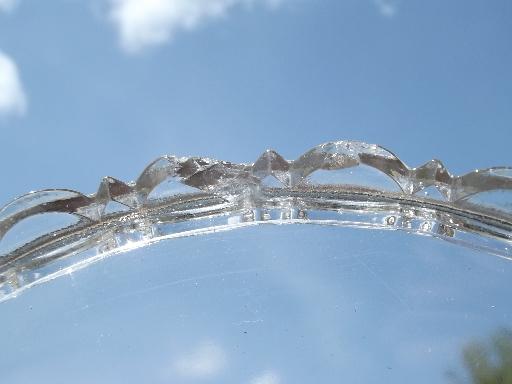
column 344, row 265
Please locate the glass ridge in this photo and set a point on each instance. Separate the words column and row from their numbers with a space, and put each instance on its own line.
column 186, row 196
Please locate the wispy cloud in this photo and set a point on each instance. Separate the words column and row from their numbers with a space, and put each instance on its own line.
column 266, row 378
column 7, row 5
column 141, row 24
column 387, row 8
column 206, row 361
column 12, row 96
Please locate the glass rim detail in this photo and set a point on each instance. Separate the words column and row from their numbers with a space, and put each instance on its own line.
column 200, row 195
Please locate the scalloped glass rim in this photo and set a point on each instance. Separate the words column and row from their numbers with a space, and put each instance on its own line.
column 187, row 196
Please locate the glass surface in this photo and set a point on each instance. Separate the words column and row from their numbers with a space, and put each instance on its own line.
column 266, row 305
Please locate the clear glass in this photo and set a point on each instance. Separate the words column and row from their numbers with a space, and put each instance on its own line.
column 265, row 304
column 344, row 265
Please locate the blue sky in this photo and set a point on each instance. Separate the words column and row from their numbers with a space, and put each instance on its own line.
column 106, row 86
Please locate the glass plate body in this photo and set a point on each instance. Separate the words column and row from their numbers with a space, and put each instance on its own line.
column 330, row 268
column 265, row 304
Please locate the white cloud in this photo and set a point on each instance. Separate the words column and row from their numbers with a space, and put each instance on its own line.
column 12, row 96
column 387, row 8
column 206, row 361
column 7, row 5
column 143, row 23
column 266, row 378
